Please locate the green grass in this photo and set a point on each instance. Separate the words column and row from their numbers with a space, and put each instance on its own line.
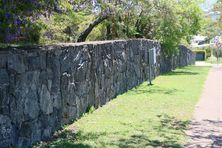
column 147, row 116
column 214, row 61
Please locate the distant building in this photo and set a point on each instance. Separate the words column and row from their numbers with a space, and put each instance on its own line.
column 203, row 41
column 198, row 41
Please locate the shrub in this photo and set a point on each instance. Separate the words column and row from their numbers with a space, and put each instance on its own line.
column 201, row 51
column 208, row 51
column 217, row 53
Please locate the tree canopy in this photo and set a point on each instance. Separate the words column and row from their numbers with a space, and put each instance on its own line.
column 50, row 21
column 212, row 25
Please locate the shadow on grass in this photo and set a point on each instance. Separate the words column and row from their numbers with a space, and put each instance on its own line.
column 144, row 141
column 171, row 122
column 167, row 123
column 67, row 144
column 166, row 130
column 70, row 138
column 180, row 72
column 154, row 89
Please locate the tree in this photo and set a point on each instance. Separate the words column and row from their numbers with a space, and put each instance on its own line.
column 88, row 30
column 217, row 53
column 17, row 16
column 212, row 28
column 170, row 22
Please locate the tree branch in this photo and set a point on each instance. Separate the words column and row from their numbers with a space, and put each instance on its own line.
column 91, row 26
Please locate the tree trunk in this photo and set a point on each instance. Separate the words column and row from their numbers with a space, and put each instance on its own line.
column 138, row 26
column 108, row 32
column 91, row 26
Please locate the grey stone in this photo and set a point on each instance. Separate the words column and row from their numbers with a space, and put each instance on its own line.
column 17, row 110
column 26, row 94
column 46, row 102
column 6, row 132
column 4, row 78
column 36, row 61
column 23, row 142
column 16, row 63
column 31, row 106
column 47, row 133
column 3, row 60
column 56, row 100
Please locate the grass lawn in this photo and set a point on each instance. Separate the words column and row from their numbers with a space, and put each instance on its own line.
column 214, row 61
column 147, row 116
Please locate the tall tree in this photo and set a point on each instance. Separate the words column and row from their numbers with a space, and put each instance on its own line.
column 15, row 15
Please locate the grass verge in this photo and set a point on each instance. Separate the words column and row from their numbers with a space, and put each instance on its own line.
column 214, row 61
column 147, row 116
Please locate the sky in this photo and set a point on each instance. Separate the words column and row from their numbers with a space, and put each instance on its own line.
column 208, row 4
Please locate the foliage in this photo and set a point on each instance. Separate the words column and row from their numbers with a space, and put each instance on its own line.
column 210, row 28
column 167, row 21
column 49, row 21
column 182, row 20
column 213, row 28
column 63, row 27
column 199, row 50
column 147, row 116
column 90, row 109
column 214, row 61
column 206, row 50
column 217, row 53
column 17, row 17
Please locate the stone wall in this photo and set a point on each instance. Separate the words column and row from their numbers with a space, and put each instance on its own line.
column 43, row 88
column 185, row 57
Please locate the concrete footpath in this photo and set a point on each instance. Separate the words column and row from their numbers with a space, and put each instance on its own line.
column 206, row 127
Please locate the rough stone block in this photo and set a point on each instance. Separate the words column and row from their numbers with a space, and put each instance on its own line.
column 4, row 78
column 16, row 63
column 7, row 134
column 46, row 102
